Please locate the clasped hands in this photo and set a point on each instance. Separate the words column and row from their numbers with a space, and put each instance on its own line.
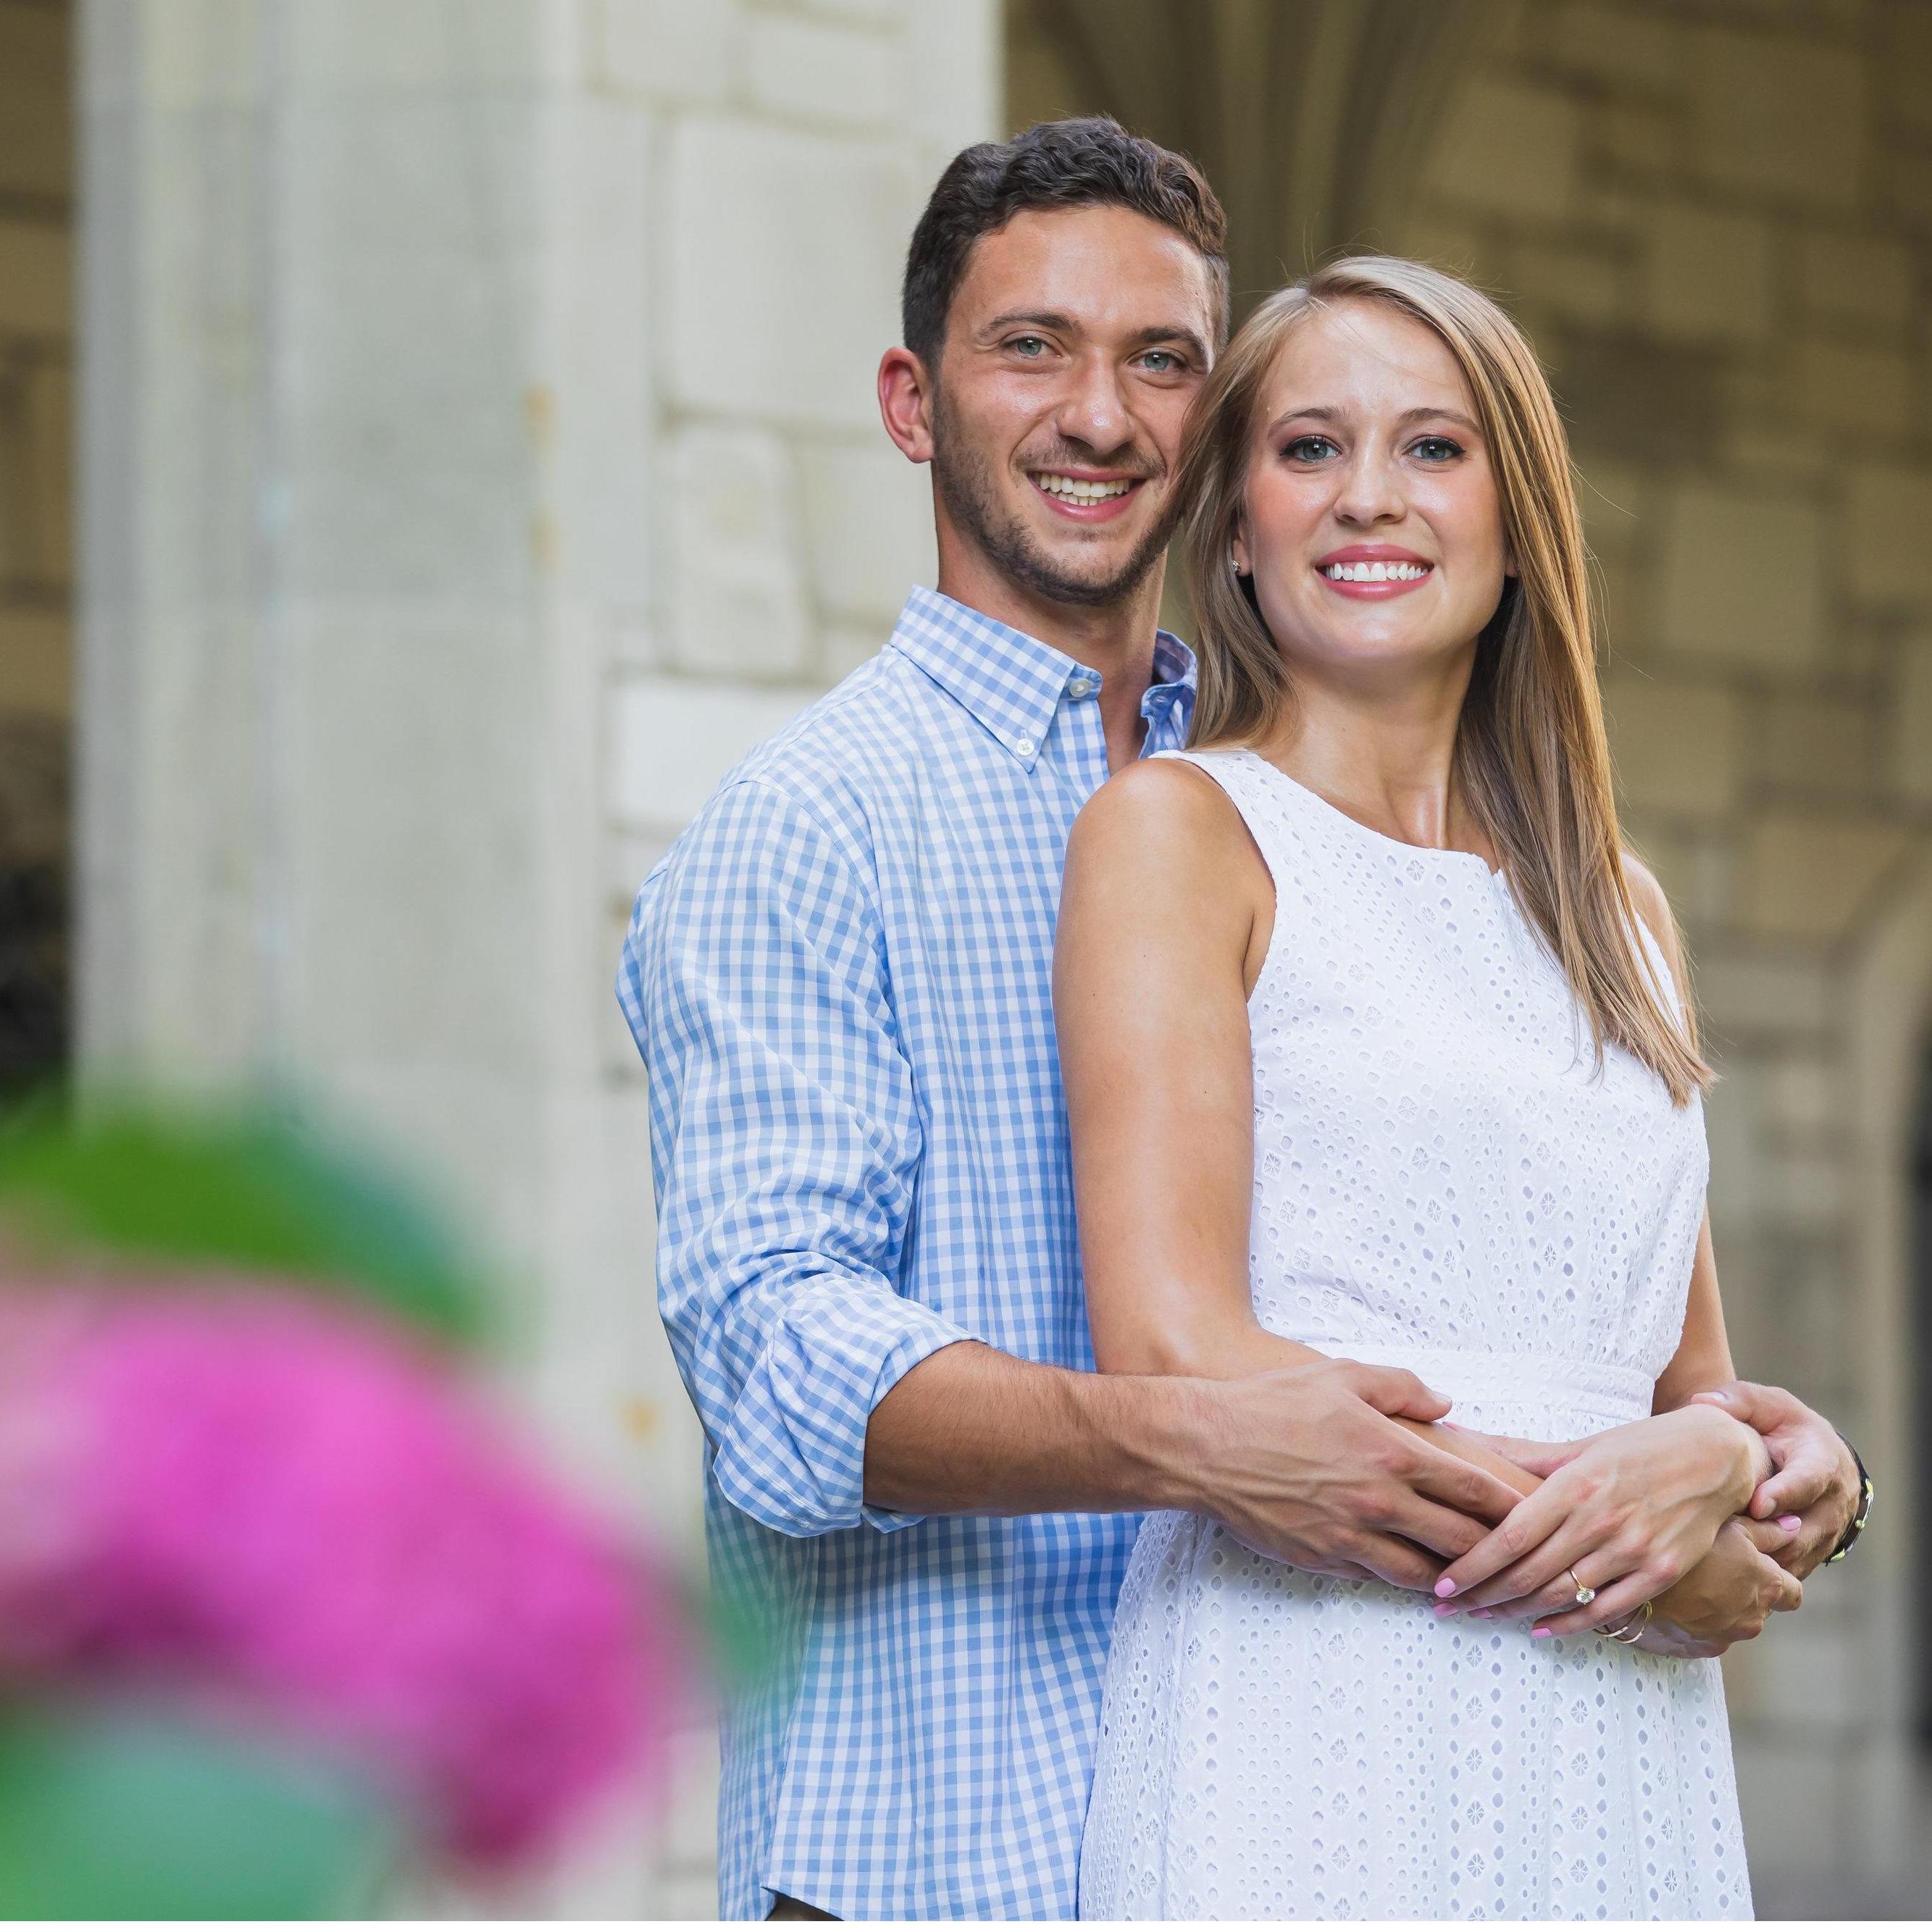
column 1714, row 1512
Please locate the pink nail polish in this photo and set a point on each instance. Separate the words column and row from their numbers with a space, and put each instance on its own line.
column 1443, row 1587
column 1791, row 1522
column 1481, row 1616
column 1443, row 1610
column 1541, row 1629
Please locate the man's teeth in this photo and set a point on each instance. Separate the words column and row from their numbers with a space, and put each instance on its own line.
column 1374, row 573
column 1075, row 490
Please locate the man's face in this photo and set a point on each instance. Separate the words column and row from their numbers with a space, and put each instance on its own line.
column 1075, row 344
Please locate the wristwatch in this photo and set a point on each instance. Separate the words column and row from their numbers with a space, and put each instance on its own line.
column 1864, row 1510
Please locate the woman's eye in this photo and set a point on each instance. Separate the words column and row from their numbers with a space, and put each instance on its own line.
column 1437, row 448
column 1309, row 449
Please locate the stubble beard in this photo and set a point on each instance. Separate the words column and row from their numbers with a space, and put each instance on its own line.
column 966, row 487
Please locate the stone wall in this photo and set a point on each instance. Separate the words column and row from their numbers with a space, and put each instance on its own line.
column 1716, row 220
column 36, row 544
column 480, row 456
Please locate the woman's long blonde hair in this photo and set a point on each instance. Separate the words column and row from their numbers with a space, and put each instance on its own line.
column 1531, row 762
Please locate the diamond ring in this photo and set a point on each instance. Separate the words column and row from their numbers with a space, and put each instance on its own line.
column 1585, row 1594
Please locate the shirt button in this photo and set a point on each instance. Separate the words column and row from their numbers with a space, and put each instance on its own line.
column 1078, row 687
column 1024, row 746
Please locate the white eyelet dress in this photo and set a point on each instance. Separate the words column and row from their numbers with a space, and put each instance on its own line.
column 1445, row 1180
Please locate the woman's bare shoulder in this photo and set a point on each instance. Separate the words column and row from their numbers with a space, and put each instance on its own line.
column 1156, row 812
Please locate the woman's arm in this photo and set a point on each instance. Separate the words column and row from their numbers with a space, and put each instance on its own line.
column 1166, row 913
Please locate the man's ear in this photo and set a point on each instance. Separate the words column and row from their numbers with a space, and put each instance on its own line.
column 905, row 403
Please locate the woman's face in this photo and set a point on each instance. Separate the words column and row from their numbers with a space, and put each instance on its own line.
column 1373, row 526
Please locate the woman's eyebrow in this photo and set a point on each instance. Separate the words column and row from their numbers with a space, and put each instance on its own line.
column 1323, row 413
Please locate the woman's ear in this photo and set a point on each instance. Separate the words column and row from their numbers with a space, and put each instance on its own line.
column 1237, row 553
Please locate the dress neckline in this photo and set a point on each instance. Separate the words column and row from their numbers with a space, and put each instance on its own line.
column 1495, row 873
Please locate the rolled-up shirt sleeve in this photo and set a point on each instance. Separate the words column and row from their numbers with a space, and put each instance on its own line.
column 785, row 1146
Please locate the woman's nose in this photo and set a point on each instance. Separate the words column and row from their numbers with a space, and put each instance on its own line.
column 1370, row 491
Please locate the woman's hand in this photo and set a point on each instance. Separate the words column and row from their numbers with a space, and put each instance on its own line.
column 1630, row 1511
column 1815, row 1492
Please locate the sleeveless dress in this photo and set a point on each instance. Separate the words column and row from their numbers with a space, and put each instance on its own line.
column 1445, row 1181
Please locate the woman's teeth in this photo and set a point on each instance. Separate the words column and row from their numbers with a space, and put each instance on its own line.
column 1076, row 491
column 1374, row 573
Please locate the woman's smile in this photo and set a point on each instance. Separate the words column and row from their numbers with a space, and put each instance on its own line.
column 1375, row 572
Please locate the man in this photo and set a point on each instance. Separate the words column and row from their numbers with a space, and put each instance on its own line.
column 840, row 979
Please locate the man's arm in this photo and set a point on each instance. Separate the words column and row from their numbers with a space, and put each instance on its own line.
column 786, row 1140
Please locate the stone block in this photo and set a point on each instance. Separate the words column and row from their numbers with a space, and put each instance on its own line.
column 1861, row 279
column 1822, row 745
column 673, row 739
column 1781, row 117
column 1804, row 1096
column 36, row 278
column 1812, row 878
column 769, row 221
column 668, row 50
column 739, row 602
column 36, row 130
column 1853, row 389
column 1749, row 994
column 1742, row 578
column 1676, row 747
column 1708, row 275
column 843, row 648
column 1639, row 142
column 1572, row 283
column 1612, row 496
column 869, row 525
column 36, row 663
column 1659, row 404
column 1509, row 149
column 1906, row 59
column 1887, row 515
column 1644, row 52
column 433, row 48
column 821, row 71
column 1909, row 725
column 50, row 473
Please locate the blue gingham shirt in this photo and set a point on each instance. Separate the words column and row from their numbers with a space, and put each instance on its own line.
column 840, row 978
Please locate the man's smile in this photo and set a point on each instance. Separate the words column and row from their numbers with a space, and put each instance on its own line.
column 1092, row 498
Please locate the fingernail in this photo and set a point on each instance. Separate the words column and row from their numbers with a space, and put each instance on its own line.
column 1445, row 1587
column 1541, row 1629
column 1791, row 1522
column 1714, row 1395
column 1481, row 1616
column 1444, row 1609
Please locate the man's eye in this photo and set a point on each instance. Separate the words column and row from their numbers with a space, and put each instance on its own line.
column 1309, row 449
column 1438, row 449
column 1162, row 362
column 1031, row 347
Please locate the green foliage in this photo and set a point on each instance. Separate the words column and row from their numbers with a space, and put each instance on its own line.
column 245, row 1192
column 119, row 1812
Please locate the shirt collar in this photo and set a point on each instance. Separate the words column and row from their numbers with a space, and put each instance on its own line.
column 1012, row 683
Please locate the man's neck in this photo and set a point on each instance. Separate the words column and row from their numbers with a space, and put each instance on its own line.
column 1115, row 639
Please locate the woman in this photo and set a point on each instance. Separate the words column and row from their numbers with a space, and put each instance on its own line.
column 1375, row 1044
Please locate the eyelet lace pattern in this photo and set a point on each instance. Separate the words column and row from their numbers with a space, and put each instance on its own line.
column 1445, row 1179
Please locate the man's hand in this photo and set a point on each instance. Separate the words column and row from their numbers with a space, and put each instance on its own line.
column 1728, row 1597
column 1307, row 1466
column 1813, row 1490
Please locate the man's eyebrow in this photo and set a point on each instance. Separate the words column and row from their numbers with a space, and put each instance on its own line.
column 1065, row 324
column 1321, row 413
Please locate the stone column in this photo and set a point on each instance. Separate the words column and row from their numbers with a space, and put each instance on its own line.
column 478, row 455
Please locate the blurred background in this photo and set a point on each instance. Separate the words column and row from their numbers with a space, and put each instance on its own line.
column 437, row 439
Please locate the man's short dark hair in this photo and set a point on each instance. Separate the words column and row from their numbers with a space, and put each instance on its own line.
column 1094, row 162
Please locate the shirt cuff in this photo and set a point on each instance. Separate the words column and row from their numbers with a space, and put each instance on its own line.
column 793, row 1455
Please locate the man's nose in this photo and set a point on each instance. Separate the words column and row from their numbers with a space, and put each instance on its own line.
column 1094, row 410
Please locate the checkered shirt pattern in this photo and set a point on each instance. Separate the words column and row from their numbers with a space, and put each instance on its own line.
column 840, row 979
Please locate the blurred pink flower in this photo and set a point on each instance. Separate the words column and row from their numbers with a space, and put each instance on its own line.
column 291, row 1506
